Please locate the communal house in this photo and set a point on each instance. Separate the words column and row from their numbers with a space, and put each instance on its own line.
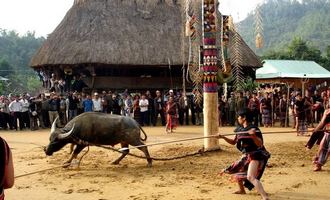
column 119, row 44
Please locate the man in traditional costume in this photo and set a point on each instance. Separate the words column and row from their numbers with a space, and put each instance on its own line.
column 321, row 135
column 248, row 170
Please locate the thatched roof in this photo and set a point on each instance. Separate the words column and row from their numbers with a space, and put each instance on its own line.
column 249, row 58
column 121, row 32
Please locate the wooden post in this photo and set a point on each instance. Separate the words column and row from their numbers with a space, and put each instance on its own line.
column 210, row 69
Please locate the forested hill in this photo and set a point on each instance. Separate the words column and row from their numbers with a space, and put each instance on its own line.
column 15, row 54
column 285, row 19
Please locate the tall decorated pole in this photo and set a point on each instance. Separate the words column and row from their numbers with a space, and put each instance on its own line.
column 210, row 69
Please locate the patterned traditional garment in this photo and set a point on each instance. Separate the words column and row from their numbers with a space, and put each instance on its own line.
column 240, row 167
column 171, row 117
column 4, row 157
column 302, row 127
column 250, row 152
column 172, row 121
column 266, row 117
column 324, row 150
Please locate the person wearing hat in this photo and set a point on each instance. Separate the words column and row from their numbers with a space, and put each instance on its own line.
column 97, row 103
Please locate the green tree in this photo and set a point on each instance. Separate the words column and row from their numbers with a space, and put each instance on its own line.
column 4, row 68
column 248, row 85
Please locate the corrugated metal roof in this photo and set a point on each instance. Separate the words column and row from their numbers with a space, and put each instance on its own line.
column 291, row 69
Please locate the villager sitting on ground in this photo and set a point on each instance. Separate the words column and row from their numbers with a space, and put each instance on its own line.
column 6, row 168
column 248, row 170
column 321, row 131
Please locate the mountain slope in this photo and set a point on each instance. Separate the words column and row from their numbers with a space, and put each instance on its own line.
column 285, row 19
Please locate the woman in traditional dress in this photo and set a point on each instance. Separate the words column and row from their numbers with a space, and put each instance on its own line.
column 6, row 168
column 265, row 109
column 248, row 170
column 171, row 115
column 137, row 109
column 300, row 112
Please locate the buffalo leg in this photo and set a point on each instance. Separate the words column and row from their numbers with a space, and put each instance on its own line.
column 144, row 149
column 125, row 152
column 75, row 153
column 146, row 152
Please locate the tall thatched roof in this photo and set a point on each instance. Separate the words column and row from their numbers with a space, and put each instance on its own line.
column 121, row 32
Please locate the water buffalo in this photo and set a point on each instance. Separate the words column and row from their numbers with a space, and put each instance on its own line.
column 98, row 129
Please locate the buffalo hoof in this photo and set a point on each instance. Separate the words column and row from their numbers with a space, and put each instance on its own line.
column 66, row 165
column 149, row 165
column 115, row 163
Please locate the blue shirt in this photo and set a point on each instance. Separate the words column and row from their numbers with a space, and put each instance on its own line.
column 88, row 105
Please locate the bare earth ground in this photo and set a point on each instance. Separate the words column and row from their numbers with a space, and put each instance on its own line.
column 288, row 176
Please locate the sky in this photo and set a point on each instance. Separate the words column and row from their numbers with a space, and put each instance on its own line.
column 42, row 16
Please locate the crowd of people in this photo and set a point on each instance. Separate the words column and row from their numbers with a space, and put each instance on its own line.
column 19, row 112
column 269, row 107
column 167, row 109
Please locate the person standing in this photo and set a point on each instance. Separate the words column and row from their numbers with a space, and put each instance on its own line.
column 284, row 111
column 232, row 109
column 266, row 110
column 248, row 170
column 88, row 104
column 97, row 103
column 4, row 114
column 301, row 125
column 309, row 102
column 151, row 111
column 6, row 168
column 144, row 104
column 62, row 111
column 254, row 107
column 72, row 106
column 136, row 109
column 25, row 113
column 183, row 109
column 15, row 108
column 33, row 114
column 128, row 106
column 54, row 107
column 159, row 108
column 171, row 113
column 44, row 117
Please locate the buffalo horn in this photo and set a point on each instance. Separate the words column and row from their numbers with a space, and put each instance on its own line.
column 52, row 130
column 65, row 135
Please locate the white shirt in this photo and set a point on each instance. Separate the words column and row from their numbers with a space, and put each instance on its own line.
column 97, row 104
column 15, row 106
column 25, row 105
column 143, row 103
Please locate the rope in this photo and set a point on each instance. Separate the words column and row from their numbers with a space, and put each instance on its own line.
column 17, row 142
column 199, row 152
column 35, row 172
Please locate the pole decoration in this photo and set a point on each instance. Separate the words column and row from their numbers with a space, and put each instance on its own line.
column 210, row 68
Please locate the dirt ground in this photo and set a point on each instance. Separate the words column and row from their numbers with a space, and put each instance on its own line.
column 289, row 173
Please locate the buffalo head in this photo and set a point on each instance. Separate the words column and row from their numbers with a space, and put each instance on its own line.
column 58, row 138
